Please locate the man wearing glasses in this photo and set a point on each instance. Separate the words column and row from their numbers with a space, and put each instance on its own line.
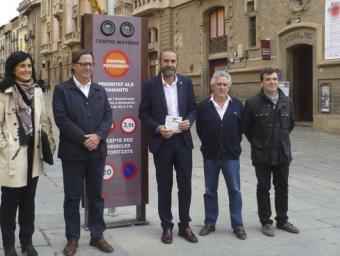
column 84, row 117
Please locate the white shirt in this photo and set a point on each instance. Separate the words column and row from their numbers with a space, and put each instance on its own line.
column 84, row 88
column 170, row 91
column 220, row 110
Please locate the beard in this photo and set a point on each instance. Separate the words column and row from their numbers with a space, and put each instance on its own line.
column 168, row 71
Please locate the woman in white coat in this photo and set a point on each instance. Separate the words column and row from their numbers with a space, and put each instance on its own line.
column 22, row 117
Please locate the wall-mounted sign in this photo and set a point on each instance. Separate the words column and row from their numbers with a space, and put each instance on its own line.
column 284, row 86
column 265, row 49
column 325, row 98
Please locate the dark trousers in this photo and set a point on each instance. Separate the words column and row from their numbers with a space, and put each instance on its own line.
column 173, row 153
column 11, row 200
column 22, row 198
column 74, row 174
column 280, row 182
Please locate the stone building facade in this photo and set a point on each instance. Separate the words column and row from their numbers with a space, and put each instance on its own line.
column 50, row 31
column 243, row 37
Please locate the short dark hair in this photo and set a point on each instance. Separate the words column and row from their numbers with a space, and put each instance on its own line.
column 267, row 71
column 77, row 54
column 14, row 59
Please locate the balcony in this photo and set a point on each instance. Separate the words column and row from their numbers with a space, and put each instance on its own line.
column 23, row 5
column 58, row 10
column 45, row 49
column 218, row 44
column 145, row 7
column 72, row 38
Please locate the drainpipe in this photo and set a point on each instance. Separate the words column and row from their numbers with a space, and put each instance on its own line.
column 111, row 7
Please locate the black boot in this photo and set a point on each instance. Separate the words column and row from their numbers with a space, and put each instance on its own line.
column 10, row 251
column 29, row 250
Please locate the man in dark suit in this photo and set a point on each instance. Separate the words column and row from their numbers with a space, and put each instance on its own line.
column 219, row 126
column 170, row 96
column 84, row 117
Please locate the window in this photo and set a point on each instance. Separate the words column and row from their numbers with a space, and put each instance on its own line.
column 217, row 27
column 250, row 7
column 155, row 30
column 252, row 31
column 149, row 35
column 60, row 31
column 152, row 35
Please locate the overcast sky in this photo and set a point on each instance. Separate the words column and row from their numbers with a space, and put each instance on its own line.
column 8, row 10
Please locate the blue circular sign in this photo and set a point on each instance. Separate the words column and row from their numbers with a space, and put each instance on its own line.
column 129, row 170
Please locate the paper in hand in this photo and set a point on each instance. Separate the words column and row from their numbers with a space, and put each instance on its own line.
column 172, row 123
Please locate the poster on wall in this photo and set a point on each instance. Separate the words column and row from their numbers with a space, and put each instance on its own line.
column 325, row 97
column 265, row 49
column 284, row 86
column 332, row 29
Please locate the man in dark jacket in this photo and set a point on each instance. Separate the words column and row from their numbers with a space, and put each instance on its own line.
column 84, row 117
column 219, row 126
column 268, row 120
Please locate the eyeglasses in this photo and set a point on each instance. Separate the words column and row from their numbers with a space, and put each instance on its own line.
column 85, row 64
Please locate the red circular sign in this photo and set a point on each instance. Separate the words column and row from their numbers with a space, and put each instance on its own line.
column 109, row 172
column 129, row 170
column 128, row 124
column 116, row 63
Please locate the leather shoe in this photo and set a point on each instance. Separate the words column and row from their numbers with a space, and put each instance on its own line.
column 29, row 250
column 207, row 228
column 71, row 248
column 240, row 233
column 101, row 245
column 188, row 235
column 167, row 236
column 10, row 251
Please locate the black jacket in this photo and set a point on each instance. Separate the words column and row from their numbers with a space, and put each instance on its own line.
column 76, row 115
column 220, row 139
column 267, row 127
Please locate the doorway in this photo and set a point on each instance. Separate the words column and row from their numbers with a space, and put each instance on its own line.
column 302, row 81
column 215, row 65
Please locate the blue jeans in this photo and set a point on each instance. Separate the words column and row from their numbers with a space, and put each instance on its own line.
column 231, row 173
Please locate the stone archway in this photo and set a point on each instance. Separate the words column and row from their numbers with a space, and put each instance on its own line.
column 297, row 58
